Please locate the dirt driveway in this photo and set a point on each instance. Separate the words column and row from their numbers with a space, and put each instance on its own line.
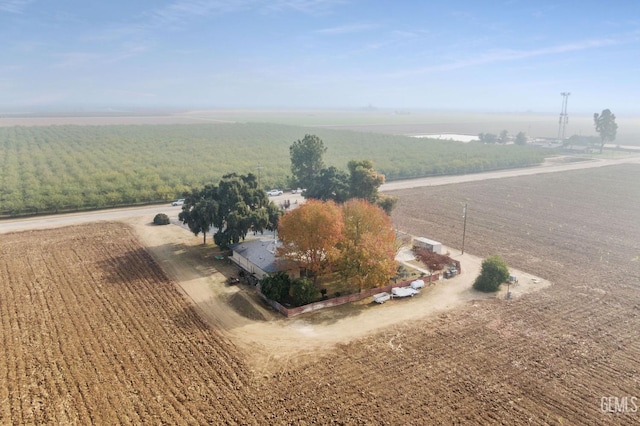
column 272, row 342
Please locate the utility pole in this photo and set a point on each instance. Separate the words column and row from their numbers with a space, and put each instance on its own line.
column 464, row 228
column 564, row 117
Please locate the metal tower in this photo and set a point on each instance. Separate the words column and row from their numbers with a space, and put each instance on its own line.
column 564, row 118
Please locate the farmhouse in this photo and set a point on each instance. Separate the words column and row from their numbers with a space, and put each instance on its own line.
column 258, row 258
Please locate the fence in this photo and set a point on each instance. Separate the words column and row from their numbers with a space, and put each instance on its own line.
column 336, row 301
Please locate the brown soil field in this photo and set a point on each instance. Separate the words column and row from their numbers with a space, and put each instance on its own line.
column 94, row 332
column 545, row 358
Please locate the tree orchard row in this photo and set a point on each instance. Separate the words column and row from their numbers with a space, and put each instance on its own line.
column 53, row 168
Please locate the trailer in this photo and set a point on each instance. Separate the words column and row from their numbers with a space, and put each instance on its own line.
column 417, row 284
column 381, row 297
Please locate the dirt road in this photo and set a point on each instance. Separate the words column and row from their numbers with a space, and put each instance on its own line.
column 552, row 165
column 55, row 221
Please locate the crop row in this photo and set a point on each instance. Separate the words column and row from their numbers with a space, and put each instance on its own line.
column 68, row 167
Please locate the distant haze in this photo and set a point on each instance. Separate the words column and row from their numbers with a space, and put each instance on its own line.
column 512, row 56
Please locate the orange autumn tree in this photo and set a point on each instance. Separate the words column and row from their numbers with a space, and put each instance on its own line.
column 310, row 235
column 368, row 246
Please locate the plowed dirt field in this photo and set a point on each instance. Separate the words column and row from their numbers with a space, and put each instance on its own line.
column 94, row 332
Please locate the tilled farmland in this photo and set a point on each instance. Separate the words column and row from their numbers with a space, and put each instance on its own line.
column 94, row 332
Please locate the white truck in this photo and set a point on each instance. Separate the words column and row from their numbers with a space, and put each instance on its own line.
column 404, row 292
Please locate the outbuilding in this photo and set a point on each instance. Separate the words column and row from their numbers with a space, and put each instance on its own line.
column 428, row 244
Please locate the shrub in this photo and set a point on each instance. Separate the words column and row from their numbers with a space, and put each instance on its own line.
column 303, row 291
column 494, row 272
column 276, row 287
column 161, row 219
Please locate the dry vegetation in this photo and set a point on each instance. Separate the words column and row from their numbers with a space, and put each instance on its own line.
column 93, row 332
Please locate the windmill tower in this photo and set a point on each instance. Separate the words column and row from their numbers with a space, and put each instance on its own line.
column 564, row 117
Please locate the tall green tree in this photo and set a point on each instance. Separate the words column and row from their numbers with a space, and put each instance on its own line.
column 242, row 207
column 199, row 210
column 364, row 181
column 487, row 137
column 504, row 136
column 331, row 184
column 306, row 160
column 233, row 207
column 521, row 138
column 606, row 126
column 387, row 203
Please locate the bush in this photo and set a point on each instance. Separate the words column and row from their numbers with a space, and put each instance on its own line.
column 276, row 287
column 303, row 291
column 494, row 272
column 161, row 219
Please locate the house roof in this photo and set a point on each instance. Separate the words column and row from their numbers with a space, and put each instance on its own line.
column 262, row 253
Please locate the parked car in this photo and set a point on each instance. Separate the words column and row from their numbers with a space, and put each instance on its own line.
column 274, row 192
column 450, row 273
column 297, row 191
column 178, row 202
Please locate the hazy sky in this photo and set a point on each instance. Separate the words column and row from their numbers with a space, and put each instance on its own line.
column 467, row 55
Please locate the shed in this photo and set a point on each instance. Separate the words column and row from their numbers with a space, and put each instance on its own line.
column 428, row 244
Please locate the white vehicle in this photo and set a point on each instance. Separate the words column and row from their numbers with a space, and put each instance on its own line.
column 404, row 292
column 297, row 191
column 274, row 192
column 381, row 297
column 417, row 284
column 178, row 202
